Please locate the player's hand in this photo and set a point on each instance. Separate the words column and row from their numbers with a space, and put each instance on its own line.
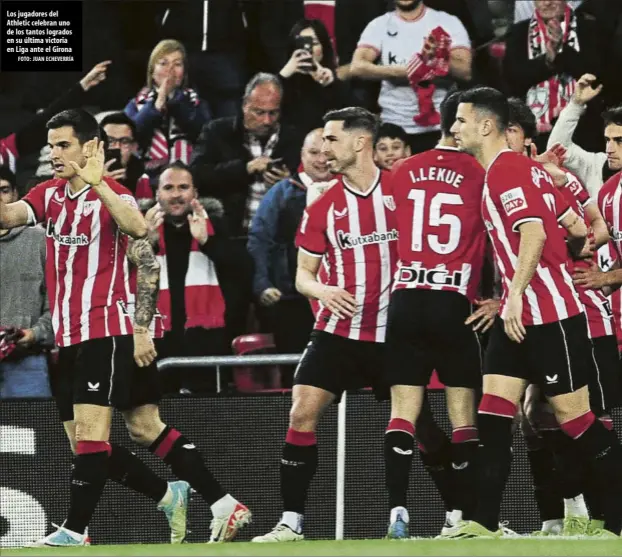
column 592, row 278
column 95, row 76
column 258, row 165
column 555, row 155
column 339, row 301
column 484, row 316
column 559, row 176
column 154, row 218
column 270, row 296
column 198, row 222
column 93, row 171
column 585, row 90
column 144, row 349
column 513, row 320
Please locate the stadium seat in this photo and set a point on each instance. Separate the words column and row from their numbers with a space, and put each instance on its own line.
column 250, row 379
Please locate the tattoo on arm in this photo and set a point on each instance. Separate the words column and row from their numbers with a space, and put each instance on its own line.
column 140, row 253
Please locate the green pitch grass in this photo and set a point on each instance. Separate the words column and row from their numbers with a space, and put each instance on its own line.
column 509, row 546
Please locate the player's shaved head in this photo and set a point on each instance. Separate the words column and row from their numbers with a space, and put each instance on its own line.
column 449, row 107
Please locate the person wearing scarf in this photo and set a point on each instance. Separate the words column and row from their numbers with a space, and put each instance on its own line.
column 168, row 114
column 545, row 55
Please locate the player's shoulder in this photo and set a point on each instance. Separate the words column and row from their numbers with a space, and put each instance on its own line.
column 116, row 187
column 510, row 165
column 379, row 20
column 441, row 18
column 323, row 202
column 610, row 185
column 51, row 184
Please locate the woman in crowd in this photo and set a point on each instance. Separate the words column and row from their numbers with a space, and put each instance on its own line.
column 169, row 115
column 310, row 84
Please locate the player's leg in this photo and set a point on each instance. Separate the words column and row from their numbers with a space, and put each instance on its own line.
column 436, row 456
column 570, row 362
column 317, row 382
column 605, row 395
column 407, row 370
column 496, row 413
column 542, row 465
column 138, row 403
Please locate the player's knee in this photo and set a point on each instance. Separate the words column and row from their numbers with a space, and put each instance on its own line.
column 303, row 418
column 144, row 432
column 570, row 405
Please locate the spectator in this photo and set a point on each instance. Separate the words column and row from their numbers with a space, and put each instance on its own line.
column 119, row 133
column 168, row 114
column 23, row 304
column 524, row 9
column 545, row 55
column 200, row 273
column 309, row 78
column 214, row 35
column 238, row 159
column 391, row 146
column 271, row 245
column 415, row 45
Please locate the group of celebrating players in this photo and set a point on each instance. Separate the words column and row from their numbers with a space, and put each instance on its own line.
column 396, row 262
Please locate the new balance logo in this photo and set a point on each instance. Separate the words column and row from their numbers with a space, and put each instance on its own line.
column 189, row 446
column 93, row 387
column 459, row 466
column 551, row 380
column 402, row 451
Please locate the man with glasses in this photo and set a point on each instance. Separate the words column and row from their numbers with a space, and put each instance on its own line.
column 123, row 161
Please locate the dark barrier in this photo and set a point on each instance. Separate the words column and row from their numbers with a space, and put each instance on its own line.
column 241, row 439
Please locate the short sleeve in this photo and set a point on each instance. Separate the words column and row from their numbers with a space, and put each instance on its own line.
column 311, row 236
column 35, row 199
column 457, row 32
column 517, row 199
column 372, row 35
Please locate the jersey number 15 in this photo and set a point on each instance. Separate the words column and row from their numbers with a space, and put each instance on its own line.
column 435, row 218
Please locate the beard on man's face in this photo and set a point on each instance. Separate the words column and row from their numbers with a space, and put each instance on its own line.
column 407, row 5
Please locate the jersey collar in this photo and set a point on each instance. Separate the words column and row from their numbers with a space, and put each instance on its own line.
column 369, row 191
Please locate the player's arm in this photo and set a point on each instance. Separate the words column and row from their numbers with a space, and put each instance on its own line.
column 140, row 253
column 532, row 238
column 460, row 62
column 13, row 215
column 579, row 243
column 336, row 299
column 128, row 217
column 364, row 65
column 597, row 223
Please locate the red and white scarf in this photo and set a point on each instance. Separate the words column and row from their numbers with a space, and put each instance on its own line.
column 548, row 98
column 169, row 143
column 205, row 305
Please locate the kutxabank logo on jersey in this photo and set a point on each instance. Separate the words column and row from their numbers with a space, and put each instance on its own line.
column 65, row 239
column 348, row 241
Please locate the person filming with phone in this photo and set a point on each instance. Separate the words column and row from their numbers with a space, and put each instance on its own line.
column 310, row 83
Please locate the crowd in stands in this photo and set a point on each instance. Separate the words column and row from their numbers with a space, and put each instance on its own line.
column 233, row 93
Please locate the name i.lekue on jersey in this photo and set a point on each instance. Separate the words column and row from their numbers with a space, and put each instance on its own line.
column 438, row 174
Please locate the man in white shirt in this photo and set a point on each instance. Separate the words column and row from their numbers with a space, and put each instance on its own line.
column 406, row 49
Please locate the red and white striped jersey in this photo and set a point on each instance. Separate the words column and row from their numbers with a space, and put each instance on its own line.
column 610, row 204
column 442, row 237
column 607, row 258
column 86, row 268
column 356, row 235
column 518, row 190
column 596, row 305
column 8, row 152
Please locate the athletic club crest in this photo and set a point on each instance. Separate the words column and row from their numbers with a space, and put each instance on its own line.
column 389, row 202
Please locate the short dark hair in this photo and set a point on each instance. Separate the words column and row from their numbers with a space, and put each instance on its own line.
column 613, row 115
column 119, row 119
column 392, row 131
column 176, row 165
column 8, row 175
column 84, row 125
column 522, row 116
column 354, row 117
column 489, row 100
column 449, row 108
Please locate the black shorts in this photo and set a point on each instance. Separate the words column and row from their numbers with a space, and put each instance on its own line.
column 426, row 332
column 556, row 356
column 604, row 385
column 103, row 372
column 338, row 364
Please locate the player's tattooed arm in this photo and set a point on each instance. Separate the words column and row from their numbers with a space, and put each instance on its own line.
column 140, row 253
